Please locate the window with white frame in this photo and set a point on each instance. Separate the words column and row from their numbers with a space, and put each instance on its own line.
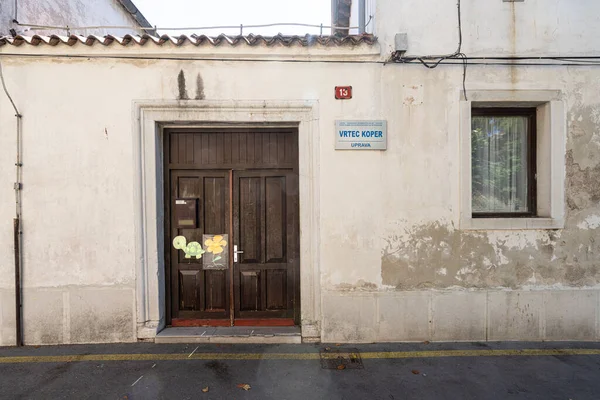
column 512, row 160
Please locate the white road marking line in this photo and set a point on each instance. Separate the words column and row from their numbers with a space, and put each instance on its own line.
column 193, row 351
column 137, row 380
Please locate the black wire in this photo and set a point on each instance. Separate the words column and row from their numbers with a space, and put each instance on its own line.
column 461, row 54
column 450, row 61
column 17, row 113
column 596, row 62
column 464, row 58
column 432, row 62
column 519, row 65
column 458, row 50
column 404, row 61
column 524, row 58
column 592, row 60
column 430, row 66
column 171, row 58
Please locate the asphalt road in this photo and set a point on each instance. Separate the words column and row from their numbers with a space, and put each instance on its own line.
column 390, row 371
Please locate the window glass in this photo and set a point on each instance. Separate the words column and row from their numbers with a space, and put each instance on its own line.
column 501, row 166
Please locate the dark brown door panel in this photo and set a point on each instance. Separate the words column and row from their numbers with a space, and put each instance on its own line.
column 201, row 293
column 265, row 224
column 243, row 183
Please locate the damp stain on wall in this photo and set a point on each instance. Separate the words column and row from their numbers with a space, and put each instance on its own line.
column 199, row 88
column 439, row 255
column 183, row 95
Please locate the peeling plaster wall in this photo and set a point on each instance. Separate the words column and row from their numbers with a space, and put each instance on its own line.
column 413, row 191
column 433, row 277
column 66, row 13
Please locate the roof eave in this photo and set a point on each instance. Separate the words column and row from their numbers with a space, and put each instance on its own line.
column 137, row 16
column 196, row 40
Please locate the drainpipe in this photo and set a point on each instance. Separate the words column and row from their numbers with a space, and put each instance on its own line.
column 17, row 220
column 361, row 16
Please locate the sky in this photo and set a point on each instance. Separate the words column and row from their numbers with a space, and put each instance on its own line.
column 196, row 13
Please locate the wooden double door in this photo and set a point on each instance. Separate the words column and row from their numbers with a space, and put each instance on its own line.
column 242, row 185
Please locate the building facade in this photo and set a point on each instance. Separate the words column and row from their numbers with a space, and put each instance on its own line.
column 146, row 159
column 49, row 17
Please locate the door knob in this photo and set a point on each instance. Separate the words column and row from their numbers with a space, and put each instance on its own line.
column 236, row 252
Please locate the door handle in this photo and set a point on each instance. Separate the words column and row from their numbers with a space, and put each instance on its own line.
column 235, row 253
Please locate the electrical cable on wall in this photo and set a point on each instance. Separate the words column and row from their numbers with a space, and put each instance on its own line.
column 560, row 61
column 17, row 220
column 437, row 60
column 17, row 113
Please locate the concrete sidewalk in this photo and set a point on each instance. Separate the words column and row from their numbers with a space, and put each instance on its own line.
column 325, row 371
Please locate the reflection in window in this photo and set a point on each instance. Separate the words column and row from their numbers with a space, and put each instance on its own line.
column 503, row 162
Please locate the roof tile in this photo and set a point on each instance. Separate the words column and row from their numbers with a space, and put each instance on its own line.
column 196, row 40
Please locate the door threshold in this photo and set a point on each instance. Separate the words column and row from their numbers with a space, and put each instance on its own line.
column 230, row 334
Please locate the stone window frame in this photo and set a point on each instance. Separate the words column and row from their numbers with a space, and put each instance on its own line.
column 550, row 157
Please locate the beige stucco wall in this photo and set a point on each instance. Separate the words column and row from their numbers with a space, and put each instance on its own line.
column 531, row 27
column 72, row 13
column 394, row 263
column 389, row 220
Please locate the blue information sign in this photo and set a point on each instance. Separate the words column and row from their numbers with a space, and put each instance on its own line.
column 360, row 135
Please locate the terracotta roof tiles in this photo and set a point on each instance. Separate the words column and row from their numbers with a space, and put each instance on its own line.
column 196, row 40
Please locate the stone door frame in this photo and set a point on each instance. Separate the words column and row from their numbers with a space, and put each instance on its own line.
column 149, row 120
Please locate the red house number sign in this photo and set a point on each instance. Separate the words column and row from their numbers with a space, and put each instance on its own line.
column 343, row 92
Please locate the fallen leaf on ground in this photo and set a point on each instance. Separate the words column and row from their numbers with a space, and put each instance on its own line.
column 415, row 371
column 337, row 344
column 244, row 386
column 426, row 342
column 341, row 366
column 205, row 389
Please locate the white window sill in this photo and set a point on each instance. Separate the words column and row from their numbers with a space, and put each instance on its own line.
column 511, row 223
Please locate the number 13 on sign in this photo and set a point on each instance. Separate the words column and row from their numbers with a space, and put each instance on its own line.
column 343, row 92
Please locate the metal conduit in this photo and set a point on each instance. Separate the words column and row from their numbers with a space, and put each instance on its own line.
column 17, row 220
